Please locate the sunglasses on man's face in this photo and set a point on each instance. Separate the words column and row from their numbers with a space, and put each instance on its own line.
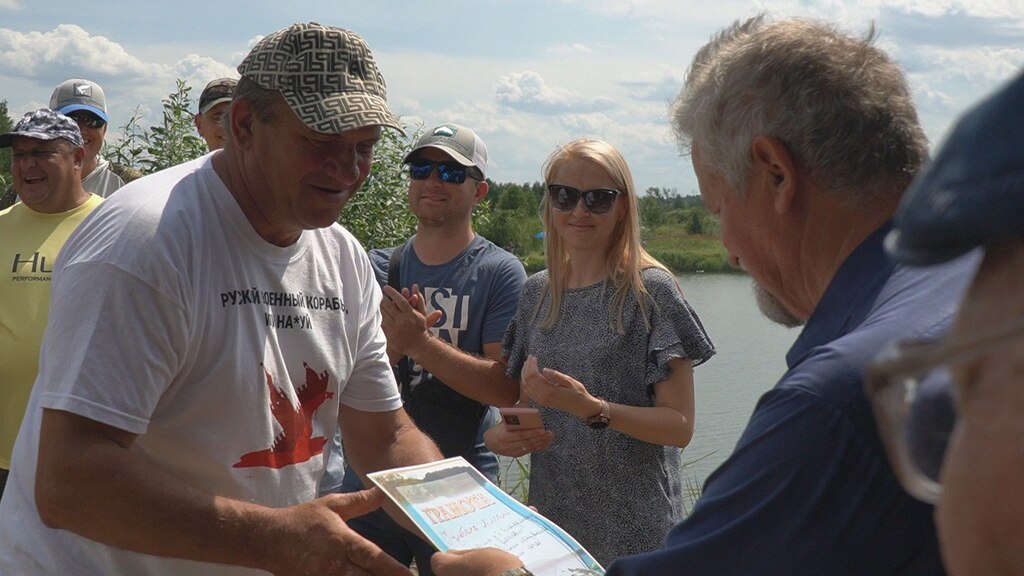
column 452, row 172
column 87, row 120
column 598, row 201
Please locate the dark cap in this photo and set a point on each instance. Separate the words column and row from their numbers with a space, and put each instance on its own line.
column 217, row 91
column 326, row 74
column 459, row 142
column 972, row 194
column 44, row 124
column 79, row 94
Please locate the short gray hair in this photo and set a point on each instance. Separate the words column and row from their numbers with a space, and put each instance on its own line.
column 840, row 106
column 265, row 103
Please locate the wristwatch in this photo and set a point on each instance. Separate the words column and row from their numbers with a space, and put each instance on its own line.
column 602, row 418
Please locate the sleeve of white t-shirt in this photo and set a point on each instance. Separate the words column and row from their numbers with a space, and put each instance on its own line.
column 113, row 345
column 371, row 386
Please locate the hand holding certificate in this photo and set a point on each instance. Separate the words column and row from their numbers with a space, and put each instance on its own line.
column 455, row 507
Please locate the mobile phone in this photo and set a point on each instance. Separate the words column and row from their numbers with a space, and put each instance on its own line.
column 521, row 417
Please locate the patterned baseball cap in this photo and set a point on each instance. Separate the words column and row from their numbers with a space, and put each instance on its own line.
column 44, row 124
column 79, row 94
column 326, row 74
column 217, row 91
column 459, row 142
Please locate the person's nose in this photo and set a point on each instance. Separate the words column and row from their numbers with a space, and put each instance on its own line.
column 580, row 208
column 343, row 166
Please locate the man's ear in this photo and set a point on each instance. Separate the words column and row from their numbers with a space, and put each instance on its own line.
column 243, row 117
column 78, row 155
column 481, row 192
column 775, row 170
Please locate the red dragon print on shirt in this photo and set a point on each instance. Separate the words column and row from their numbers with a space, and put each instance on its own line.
column 296, row 442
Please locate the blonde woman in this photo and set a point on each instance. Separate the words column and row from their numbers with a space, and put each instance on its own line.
column 604, row 345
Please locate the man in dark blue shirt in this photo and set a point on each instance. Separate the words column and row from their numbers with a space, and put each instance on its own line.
column 803, row 139
column 966, row 388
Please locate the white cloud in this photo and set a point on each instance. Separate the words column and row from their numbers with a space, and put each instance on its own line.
column 528, row 92
column 63, row 52
column 936, row 8
column 9, row 5
column 199, row 70
column 570, row 49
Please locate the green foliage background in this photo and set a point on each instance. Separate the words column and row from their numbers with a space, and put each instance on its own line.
column 6, row 125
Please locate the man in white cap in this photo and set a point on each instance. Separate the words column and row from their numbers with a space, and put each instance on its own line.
column 209, row 334
column 213, row 105
column 46, row 167
column 84, row 102
column 470, row 290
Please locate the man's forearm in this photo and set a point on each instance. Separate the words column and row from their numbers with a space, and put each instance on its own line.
column 481, row 378
column 99, row 489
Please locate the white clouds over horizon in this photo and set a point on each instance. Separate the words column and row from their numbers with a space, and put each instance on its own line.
column 526, row 76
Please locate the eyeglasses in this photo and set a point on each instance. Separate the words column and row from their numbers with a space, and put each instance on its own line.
column 912, row 391
column 87, row 120
column 452, row 172
column 598, row 201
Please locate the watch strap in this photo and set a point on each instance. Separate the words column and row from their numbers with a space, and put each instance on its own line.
column 602, row 418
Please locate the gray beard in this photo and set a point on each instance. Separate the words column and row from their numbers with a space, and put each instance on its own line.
column 774, row 310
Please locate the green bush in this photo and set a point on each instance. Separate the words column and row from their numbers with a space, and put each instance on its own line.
column 161, row 146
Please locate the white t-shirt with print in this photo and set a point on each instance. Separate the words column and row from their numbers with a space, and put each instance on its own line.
column 227, row 356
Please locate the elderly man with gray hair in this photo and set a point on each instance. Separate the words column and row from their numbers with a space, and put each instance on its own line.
column 803, row 140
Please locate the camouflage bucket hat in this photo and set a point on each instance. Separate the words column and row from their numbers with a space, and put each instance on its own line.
column 44, row 124
column 326, row 74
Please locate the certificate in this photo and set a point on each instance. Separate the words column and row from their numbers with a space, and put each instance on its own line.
column 456, row 508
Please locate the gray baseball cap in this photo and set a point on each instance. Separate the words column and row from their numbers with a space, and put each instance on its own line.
column 79, row 94
column 44, row 124
column 459, row 142
column 217, row 91
column 326, row 74
column 972, row 194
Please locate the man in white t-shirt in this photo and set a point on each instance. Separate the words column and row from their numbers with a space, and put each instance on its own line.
column 211, row 327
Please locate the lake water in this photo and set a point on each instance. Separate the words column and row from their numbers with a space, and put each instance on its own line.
column 750, row 359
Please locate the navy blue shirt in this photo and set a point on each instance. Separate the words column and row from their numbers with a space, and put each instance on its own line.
column 808, row 489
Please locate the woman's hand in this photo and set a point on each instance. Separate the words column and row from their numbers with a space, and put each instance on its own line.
column 517, row 442
column 553, row 389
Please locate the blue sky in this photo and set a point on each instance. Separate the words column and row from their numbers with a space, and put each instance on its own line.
column 526, row 75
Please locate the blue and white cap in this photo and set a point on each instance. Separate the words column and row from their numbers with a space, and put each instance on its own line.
column 79, row 94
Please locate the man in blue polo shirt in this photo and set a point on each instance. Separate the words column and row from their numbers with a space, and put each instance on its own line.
column 803, row 140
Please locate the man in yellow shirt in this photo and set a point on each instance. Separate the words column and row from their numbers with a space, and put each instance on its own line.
column 46, row 165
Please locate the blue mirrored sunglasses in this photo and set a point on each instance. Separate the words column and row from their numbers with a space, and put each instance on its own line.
column 452, row 172
column 87, row 119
